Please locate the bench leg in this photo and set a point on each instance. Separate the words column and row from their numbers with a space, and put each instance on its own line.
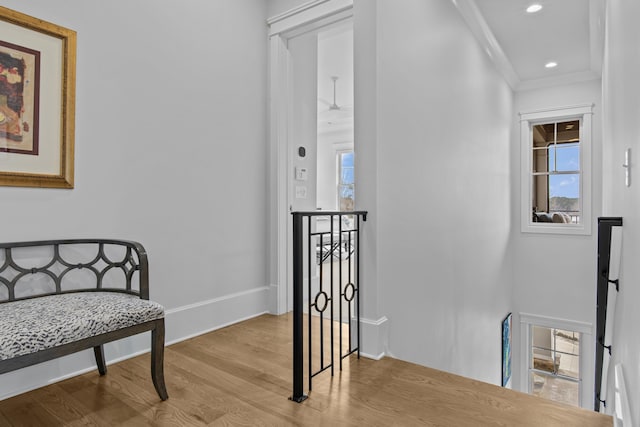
column 157, row 359
column 98, row 351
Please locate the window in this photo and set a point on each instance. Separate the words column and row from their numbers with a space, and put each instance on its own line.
column 346, row 181
column 556, row 359
column 554, row 364
column 556, row 167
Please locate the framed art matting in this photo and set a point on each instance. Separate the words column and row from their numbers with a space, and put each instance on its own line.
column 37, row 102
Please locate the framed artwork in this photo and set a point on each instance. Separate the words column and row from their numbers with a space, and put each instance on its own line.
column 506, row 350
column 37, row 102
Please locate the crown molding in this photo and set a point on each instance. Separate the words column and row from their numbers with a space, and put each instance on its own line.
column 560, row 80
column 307, row 14
column 480, row 29
column 596, row 34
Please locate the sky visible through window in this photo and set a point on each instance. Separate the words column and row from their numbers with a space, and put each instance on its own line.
column 346, row 185
column 564, row 158
column 346, row 169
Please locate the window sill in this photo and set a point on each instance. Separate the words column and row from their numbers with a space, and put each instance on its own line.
column 555, row 228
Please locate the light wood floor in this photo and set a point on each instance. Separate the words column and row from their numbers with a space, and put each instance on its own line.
column 240, row 375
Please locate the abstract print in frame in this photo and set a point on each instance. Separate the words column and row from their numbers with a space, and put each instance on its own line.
column 37, row 102
column 19, row 98
column 506, row 350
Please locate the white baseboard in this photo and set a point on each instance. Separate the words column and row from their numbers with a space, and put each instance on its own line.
column 273, row 300
column 375, row 338
column 181, row 323
column 196, row 319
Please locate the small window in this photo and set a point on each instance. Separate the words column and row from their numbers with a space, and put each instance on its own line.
column 556, row 172
column 346, row 181
column 554, row 365
column 556, row 167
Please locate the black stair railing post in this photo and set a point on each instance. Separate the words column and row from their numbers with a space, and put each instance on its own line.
column 605, row 225
column 347, row 293
column 298, row 319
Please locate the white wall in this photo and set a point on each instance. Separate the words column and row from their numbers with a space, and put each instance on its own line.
column 622, row 131
column 365, row 56
column 555, row 275
column 170, row 151
column 304, row 110
column 335, row 58
column 442, row 185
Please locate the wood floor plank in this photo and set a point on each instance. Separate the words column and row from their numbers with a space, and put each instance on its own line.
column 61, row 406
column 28, row 413
column 241, row 376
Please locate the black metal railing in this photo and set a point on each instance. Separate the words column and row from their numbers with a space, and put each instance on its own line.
column 330, row 242
column 604, row 280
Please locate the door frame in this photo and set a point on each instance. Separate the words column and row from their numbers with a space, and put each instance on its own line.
column 300, row 20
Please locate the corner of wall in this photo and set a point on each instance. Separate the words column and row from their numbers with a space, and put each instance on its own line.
column 375, row 337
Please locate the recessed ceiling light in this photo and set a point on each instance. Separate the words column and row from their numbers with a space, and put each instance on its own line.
column 551, row 64
column 534, row 8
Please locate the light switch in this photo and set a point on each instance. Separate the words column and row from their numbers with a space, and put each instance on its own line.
column 301, row 192
column 301, row 174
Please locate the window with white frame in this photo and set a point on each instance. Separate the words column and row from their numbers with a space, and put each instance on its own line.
column 554, row 364
column 557, row 359
column 556, row 170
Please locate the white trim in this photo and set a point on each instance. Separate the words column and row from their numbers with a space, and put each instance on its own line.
column 483, row 34
column 557, row 112
column 560, row 80
column 202, row 317
column 596, row 34
column 307, row 17
column 622, row 408
column 223, row 298
column 480, row 29
column 375, row 337
column 279, row 65
column 554, row 322
column 583, row 112
column 587, row 351
column 313, row 12
column 294, row 11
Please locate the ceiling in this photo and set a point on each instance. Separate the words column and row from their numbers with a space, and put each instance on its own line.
column 568, row 32
column 335, row 60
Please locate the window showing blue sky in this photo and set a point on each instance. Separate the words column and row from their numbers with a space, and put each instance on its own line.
column 564, row 158
column 347, row 177
column 564, row 186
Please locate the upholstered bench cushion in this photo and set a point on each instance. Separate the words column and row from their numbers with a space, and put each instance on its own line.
column 31, row 325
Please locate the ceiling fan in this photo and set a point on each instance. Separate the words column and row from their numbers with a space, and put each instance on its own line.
column 335, row 112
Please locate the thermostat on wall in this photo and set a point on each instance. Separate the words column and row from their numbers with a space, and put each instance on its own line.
column 301, row 174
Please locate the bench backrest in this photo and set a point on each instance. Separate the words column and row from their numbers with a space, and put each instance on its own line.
column 31, row 269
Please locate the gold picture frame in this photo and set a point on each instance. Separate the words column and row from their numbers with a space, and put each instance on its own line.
column 37, row 102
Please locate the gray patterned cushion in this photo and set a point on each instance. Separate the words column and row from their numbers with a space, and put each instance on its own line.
column 36, row 324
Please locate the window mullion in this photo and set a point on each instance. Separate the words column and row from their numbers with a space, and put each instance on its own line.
column 555, row 146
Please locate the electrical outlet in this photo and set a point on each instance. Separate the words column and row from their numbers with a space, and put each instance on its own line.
column 301, row 192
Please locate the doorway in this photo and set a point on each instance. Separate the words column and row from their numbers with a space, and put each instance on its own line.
column 311, row 125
